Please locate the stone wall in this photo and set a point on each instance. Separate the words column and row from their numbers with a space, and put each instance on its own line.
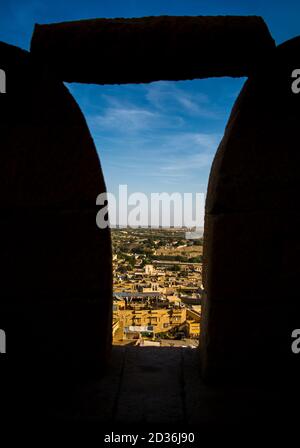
column 108, row 51
column 252, row 239
column 56, row 293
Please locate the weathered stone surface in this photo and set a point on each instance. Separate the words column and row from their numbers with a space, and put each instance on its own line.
column 208, row 406
column 248, row 341
column 256, row 165
column 108, row 51
column 56, row 254
column 252, row 239
column 151, row 388
column 99, row 399
column 243, row 256
column 152, row 403
column 55, row 263
column 48, row 158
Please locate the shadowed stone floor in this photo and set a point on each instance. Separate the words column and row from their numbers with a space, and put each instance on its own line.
column 163, row 385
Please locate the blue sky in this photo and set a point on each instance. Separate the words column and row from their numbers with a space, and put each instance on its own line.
column 161, row 136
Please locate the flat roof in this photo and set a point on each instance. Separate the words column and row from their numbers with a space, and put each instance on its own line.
column 140, row 294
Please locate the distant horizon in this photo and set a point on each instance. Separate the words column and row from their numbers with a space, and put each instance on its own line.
column 153, row 227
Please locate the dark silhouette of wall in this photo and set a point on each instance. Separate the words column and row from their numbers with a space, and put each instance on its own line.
column 56, row 293
column 108, row 51
column 252, row 239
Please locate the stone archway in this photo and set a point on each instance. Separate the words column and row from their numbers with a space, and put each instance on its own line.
column 51, row 175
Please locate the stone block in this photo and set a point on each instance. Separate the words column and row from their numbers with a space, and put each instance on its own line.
column 108, row 51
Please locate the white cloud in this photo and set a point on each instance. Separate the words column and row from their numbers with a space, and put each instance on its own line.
column 190, row 162
column 164, row 105
column 128, row 119
column 172, row 157
column 148, row 140
column 167, row 96
column 191, row 142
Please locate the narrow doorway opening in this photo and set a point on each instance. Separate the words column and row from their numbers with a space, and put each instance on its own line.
column 157, row 139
